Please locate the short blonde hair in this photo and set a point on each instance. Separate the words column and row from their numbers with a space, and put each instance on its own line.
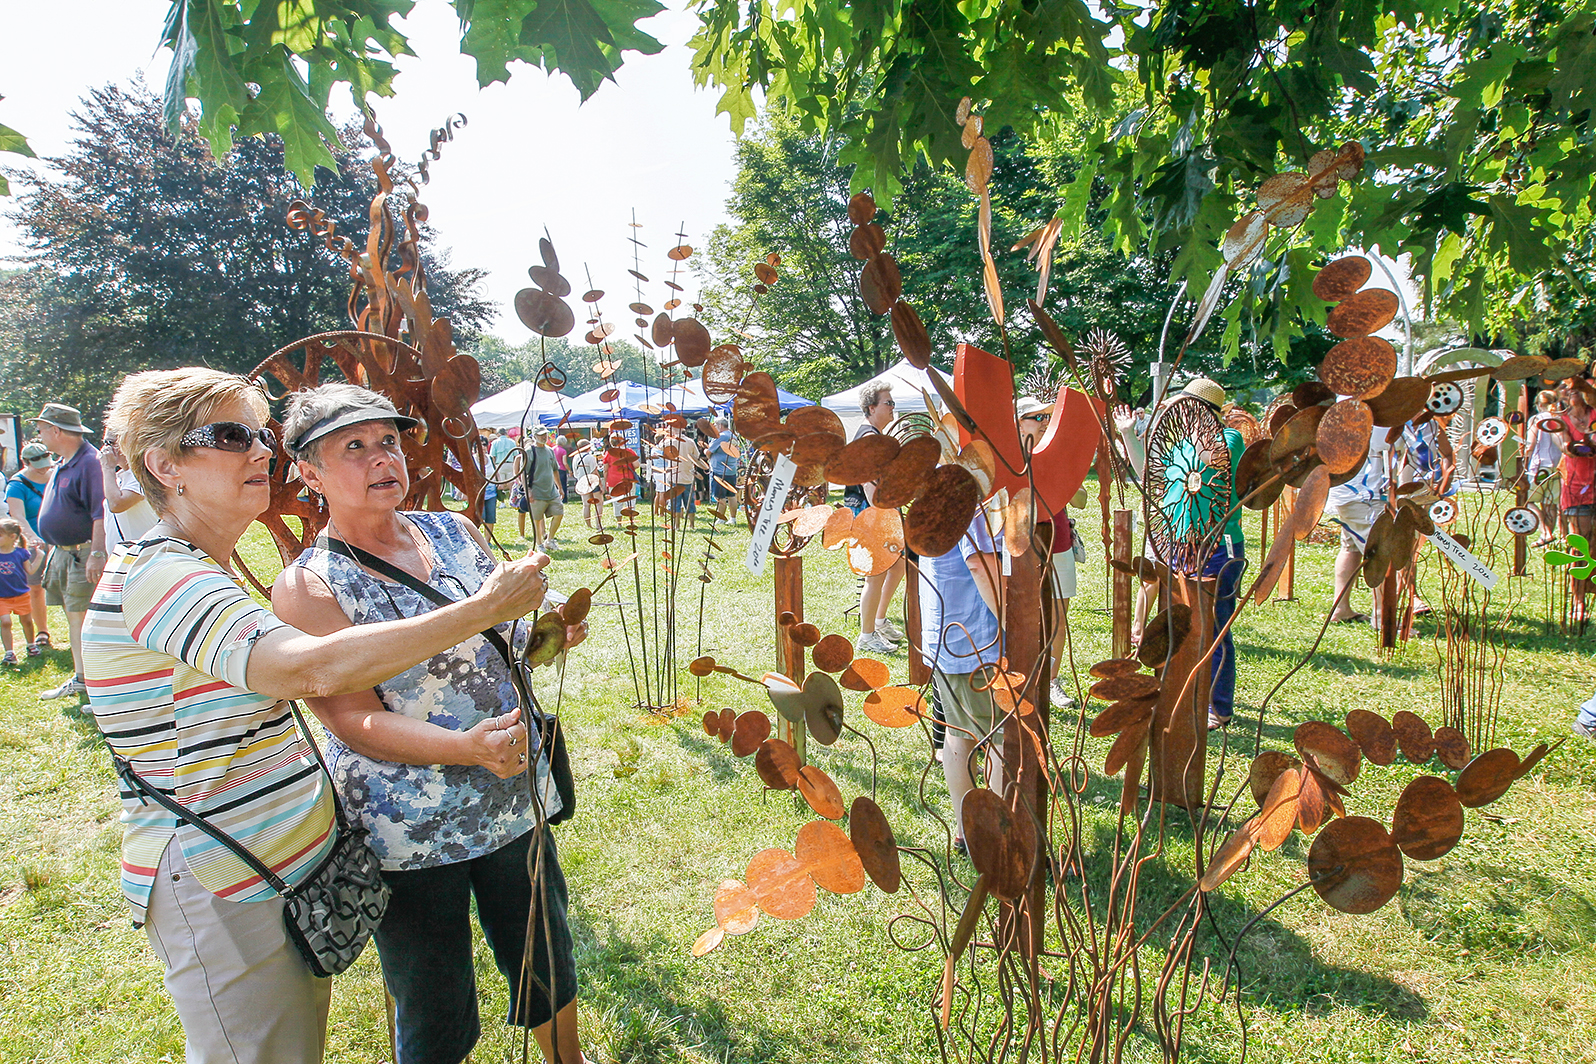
column 155, row 409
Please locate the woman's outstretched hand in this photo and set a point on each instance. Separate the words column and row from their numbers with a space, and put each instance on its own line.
column 498, row 744
column 515, row 589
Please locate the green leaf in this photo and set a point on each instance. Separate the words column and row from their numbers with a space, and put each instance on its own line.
column 1449, row 206
column 14, row 142
column 1078, row 197
column 1528, row 249
column 285, row 106
column 204, row 67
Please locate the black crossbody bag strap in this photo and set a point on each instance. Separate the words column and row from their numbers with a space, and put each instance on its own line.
column 124, row 769
column 386, row 568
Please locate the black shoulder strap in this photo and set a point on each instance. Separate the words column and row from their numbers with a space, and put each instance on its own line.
column 135, row 782
column 386, row 568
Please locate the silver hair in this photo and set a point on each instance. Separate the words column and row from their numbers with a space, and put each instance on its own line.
column 722, row 423
column 307, row 408
column 870, row 395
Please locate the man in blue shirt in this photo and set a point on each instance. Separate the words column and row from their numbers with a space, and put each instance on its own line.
column 71, row 520
column 960, row 634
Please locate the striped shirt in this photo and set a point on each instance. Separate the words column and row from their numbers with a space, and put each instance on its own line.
column 165, row 648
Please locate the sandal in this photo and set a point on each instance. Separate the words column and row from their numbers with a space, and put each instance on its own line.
column 1353, row 618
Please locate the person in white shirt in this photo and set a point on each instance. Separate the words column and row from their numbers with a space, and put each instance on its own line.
column 1545, row 477
column 128, row 515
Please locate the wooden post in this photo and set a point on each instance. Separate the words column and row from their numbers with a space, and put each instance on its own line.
column 1179, row 739
column 919, row 670
column 1286, row 590
column 1390, row 622
column 1027, row 595
column 789, row 655
column 1123, row 603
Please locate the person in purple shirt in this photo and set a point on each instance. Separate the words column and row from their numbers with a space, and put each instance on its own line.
column 72, row 521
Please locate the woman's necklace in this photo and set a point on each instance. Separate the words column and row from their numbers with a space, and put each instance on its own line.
column 418, row 543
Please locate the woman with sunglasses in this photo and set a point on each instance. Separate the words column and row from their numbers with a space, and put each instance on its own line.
column 419, row 758
column 188, row 678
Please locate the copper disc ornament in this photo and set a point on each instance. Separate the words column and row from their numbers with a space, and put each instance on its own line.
column 776, row 762
column 1266, row 769
column 781, row 884
column 1342, row 278
column 1360, row 367
column 1487, row 777
column 1363, row 313
column 1400, row 401
column 1428, row 820
column 1328, row 749
column 1001, row 841
column 830, row 858
column 1374, row 736
column 894, row 707
column 749, row 733
column 942, row 514
column 820, row 792
column 1343, row 436
column 1354, row 865
column 736, row 907
column 876, row 845
column 1413, row 736
column 1452, row 747
column 833, row 653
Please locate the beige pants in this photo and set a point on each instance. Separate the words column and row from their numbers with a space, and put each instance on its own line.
column 241, row 989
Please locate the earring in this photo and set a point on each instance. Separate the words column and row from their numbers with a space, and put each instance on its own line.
column 180, row 489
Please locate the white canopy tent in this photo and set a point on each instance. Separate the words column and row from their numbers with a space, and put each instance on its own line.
column 507, row 409
column 909, row 388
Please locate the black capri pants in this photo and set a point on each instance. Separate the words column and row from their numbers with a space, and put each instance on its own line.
column 425, row 946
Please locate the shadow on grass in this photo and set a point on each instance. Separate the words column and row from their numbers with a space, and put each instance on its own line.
column 652, row 1010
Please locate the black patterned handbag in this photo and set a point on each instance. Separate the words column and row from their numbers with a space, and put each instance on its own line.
column 334, row 911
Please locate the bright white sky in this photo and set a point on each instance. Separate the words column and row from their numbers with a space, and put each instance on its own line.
column 531, row 157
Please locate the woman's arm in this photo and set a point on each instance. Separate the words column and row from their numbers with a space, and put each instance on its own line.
column 288, row 663
column 365, row 725
column 19, row 513
column 116, row 500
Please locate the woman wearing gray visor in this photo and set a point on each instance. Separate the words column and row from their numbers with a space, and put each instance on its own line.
column 421, row 758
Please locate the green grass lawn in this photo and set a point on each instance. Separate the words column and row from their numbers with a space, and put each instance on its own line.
column 1488, row 954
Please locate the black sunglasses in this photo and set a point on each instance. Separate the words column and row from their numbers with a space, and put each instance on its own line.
column 232, row 436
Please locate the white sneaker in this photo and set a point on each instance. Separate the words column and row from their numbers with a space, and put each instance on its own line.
column 889, row 631
column 1058, row 699
column 548, row 545
column 875, row 643
column 66, row 690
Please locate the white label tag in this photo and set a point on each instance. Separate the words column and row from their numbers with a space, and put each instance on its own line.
column 765, row 524
column 1464, row 560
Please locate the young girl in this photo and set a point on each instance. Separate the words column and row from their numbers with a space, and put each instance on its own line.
column 17, row 561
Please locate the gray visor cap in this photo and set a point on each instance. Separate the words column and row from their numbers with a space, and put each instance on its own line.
column 350, row 416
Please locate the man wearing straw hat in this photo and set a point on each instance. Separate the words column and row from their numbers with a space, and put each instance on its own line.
column 72, row 521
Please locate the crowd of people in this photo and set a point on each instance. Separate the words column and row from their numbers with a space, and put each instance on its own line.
column 397, row 631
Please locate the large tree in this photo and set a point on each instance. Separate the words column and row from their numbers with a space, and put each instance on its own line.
column 812, row 329
column 145, row 252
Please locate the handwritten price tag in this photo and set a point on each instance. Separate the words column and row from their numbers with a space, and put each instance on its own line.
column 765, row 524
column 1464, row 560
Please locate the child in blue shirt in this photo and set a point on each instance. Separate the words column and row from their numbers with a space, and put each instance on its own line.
column 17, row 560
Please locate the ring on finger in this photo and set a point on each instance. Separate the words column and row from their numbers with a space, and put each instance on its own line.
column 522, row 759
column 513, row 740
